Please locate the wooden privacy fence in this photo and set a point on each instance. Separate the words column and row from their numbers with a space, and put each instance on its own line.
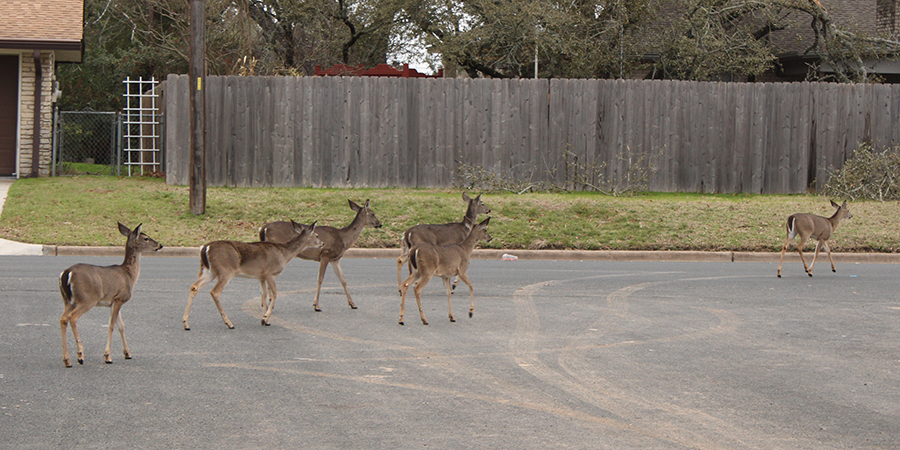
column 392, row 132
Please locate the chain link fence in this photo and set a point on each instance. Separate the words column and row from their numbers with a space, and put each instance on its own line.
column 110, row 143
column 86, row 143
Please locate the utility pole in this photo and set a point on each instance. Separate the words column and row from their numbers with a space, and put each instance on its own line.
column 197, row 89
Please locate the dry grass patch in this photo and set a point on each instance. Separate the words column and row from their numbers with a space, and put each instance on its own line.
column 83, row 211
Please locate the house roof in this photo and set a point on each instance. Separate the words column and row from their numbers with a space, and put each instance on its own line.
column 858, row 15
column 44, row 25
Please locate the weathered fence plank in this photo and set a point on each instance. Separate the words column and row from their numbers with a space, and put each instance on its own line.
column 377, row 132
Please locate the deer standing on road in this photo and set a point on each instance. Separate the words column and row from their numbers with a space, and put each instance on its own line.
column 84, row 286
column 335, row 241
column 812, row 226
column 440, row 234
column 261, row 260
column 445, row 261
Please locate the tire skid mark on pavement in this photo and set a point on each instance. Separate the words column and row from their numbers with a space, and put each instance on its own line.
column 523, row 345
column 502, row 400
column 506, row 393
column 603, row 394
column 680, row 419
column 446, row 364
column 615, row 409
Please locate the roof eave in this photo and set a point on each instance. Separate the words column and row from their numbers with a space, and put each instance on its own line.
column 66, row 51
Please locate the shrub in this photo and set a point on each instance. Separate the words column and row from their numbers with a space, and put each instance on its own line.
column 868, row 175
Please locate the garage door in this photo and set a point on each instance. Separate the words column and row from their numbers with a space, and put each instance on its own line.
column 9, row 98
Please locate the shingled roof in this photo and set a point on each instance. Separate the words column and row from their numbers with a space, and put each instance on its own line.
column 44, row 25
column 868, row 16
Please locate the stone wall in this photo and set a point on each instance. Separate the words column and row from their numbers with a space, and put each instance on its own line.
column 26, row 111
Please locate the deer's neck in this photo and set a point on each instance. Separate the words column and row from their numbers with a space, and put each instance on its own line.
column 132, row 263
column 293, row 247
column 470, row 214
column 351, row 232
column 835, row 219
column 469, row 243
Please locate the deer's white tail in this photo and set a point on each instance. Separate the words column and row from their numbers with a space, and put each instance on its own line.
column 792, row 232
column 65, row 286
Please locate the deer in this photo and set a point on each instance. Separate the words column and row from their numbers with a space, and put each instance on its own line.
column 335, row 241
column 224, row 260
column 440, row 234
column 84, row 286
column 817, row 227
column 445, row 261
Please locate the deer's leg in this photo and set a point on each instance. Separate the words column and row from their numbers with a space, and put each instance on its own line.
column 263, row 299
column 404, row 257
column 113, row 319
column 63, row 325
column 784, row 248
column 121, row 324
column 449, row 288
column 465, row 278
column 322, row 265
column 815, row 257
column 77, row 312
column 800, row 251
column 423, row 280
column 404, row 288
column 204, row 277
column 825, row 244
column 215, row 293
column 336, row 265
column 270, row 281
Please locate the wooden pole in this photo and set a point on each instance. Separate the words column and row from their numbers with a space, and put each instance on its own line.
column 197, row 74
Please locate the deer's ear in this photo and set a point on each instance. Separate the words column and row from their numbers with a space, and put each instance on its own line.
column 353, row 206
column 137, row 230
column 466, row 197
column 125, row 231
column 485, row 222
column 835, row 204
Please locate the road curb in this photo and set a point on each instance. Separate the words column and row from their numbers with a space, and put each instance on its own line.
column 546, row 255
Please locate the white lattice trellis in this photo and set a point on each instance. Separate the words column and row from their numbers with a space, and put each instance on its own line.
column 141, row 127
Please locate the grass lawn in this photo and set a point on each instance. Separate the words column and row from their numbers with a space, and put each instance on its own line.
column 83, row 210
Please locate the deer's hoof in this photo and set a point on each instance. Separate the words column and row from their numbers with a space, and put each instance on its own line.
column 353, row 307
column 470, row 314
column 187, row 328
column 835, row 271
column 779, row 275
column 264, row 323
column 127, row 356
column 809, row 274
column 400, row 322
column 109, row 362
column 80, row 361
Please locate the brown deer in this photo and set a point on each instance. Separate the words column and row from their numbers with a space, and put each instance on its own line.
column 447, row 233
column 445, row 261
column 84, row 286
column 335, row 242
column 261, row 260
column 812, row 226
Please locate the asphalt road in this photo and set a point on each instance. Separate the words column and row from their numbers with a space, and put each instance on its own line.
column 559, row 354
